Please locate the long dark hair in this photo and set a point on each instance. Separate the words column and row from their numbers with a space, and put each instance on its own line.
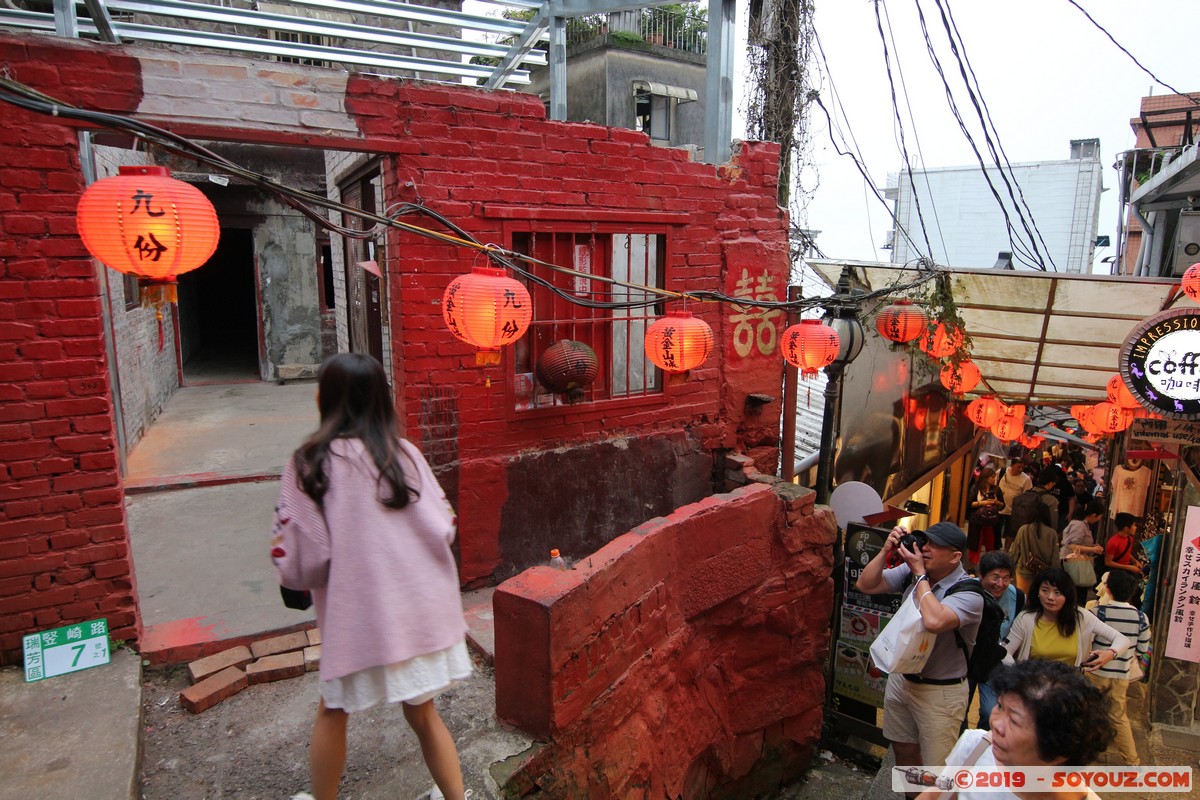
column 355, row 403
column 1060, row 580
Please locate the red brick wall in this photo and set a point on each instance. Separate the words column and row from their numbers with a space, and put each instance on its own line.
column 680, row 659
column 484, row 158
column 64, row 549
column 477, row 157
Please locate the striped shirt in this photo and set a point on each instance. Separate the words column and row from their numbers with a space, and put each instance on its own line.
column 1133, row 623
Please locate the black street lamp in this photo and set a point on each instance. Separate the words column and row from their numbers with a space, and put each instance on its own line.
column 842, row 316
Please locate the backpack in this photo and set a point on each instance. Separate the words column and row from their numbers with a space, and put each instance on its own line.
column 988, row 651
column 1024, row 509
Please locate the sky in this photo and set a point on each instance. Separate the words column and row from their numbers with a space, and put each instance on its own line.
column 1047, row 74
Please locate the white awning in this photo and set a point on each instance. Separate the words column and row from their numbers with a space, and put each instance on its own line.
column 1038, row 338
column 665, row 90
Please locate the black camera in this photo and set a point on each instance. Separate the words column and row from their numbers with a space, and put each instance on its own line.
column 914, row 541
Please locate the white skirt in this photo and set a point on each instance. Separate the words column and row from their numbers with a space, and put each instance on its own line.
column 414, row 681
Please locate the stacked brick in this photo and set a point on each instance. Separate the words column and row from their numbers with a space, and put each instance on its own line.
column 222, row 675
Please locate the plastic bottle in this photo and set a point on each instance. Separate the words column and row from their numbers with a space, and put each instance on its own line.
column 556, row 560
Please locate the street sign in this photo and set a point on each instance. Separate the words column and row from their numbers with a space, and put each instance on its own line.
column 67, row 649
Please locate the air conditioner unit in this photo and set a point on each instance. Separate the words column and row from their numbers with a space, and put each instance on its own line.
column 1187, row 242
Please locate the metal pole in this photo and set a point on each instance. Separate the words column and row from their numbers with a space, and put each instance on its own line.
column 791, row 381
column 829, row 426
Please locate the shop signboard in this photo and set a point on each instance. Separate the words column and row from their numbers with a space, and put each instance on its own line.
column 862, row 617
column 1160, row 363
column 1166, row 431
column 1183, row 636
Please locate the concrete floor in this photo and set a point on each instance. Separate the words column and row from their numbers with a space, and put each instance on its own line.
column 202, row 485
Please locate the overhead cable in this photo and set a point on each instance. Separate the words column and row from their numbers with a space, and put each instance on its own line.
column 1132, row 58
column 25, row 97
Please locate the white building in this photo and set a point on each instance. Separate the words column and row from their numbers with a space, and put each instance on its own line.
column 966, row 227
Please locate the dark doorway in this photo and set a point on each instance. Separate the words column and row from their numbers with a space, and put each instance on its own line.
column 218, row 314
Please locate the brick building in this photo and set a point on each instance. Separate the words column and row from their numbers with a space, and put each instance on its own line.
column 524, row 477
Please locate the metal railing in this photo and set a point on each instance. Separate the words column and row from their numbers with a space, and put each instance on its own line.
column 686, row 31
column 377, row 34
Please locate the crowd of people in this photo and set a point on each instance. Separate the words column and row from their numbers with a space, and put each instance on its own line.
column 1071, row 628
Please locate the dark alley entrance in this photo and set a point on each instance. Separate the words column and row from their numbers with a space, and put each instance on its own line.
column 218, row 314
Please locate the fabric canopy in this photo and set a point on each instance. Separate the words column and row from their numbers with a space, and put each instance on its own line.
column 1038, row 338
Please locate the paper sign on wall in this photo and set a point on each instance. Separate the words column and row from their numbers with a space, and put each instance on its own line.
column 1183, row 637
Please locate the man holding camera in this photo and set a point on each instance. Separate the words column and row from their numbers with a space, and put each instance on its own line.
column 922, row 713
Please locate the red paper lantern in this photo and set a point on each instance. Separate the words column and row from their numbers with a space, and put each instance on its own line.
column 1087, row 421
column 678, row 342
column 1111, row 418
column 1191, row 283
column 1016, row 412
column 487, row 309
column 567, row 365
column 1076, row 410
column 944, row 343
column 901, row 321
column 1007, row 429
column 984, row 412
column 1030, row 442
column 810, row 346
column 961, row 378
column 1118, row 393
column 144, row 222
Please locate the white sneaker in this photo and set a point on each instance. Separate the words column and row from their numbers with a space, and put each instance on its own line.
column 301, row 796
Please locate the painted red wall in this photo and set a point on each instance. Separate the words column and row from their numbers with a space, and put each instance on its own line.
column 487, row 159
column 683, row 659
column 478, row 157
column 64, row 549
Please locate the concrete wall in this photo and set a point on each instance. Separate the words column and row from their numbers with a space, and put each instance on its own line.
column 484, row 159
column 285, row 246
column 967, row 228
column 600, row 76
column 683, row 659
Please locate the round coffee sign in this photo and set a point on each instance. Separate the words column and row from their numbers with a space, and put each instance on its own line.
column 1160, row 363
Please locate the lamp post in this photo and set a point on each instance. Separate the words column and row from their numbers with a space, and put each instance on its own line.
column 843, row 318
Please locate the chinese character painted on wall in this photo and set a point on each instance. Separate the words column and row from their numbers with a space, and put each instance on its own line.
column 754, row 329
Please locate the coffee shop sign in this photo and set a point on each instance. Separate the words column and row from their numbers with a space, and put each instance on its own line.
column 1160, row 363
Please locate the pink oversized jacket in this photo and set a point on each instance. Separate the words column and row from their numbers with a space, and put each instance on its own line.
column 384, row 583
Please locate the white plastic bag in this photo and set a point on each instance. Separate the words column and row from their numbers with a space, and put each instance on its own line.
column 903, row 646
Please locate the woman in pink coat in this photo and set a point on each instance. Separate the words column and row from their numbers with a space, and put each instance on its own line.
column 362, row 523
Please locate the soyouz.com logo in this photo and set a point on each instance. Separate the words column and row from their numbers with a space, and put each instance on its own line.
column 1043, row 779
column 1160, row 363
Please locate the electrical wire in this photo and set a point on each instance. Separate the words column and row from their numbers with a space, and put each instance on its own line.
column 985, row 118
column 916, row 138
column 815, row 97
column 1018, row 247
column 1132, row 58
column 25, row 97
column 852, row 142
column 887, row 63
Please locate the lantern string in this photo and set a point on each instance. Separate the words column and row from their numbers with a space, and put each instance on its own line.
column 307, row 203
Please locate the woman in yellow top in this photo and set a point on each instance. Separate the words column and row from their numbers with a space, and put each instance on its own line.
column 1053, row 628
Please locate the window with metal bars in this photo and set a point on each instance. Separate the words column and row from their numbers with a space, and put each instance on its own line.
column 615, row 335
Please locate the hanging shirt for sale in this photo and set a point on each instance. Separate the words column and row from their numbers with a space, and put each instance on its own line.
column 1129, row 491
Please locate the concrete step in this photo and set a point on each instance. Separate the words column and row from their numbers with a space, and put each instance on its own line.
column 75, row 735
column 481, row 624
